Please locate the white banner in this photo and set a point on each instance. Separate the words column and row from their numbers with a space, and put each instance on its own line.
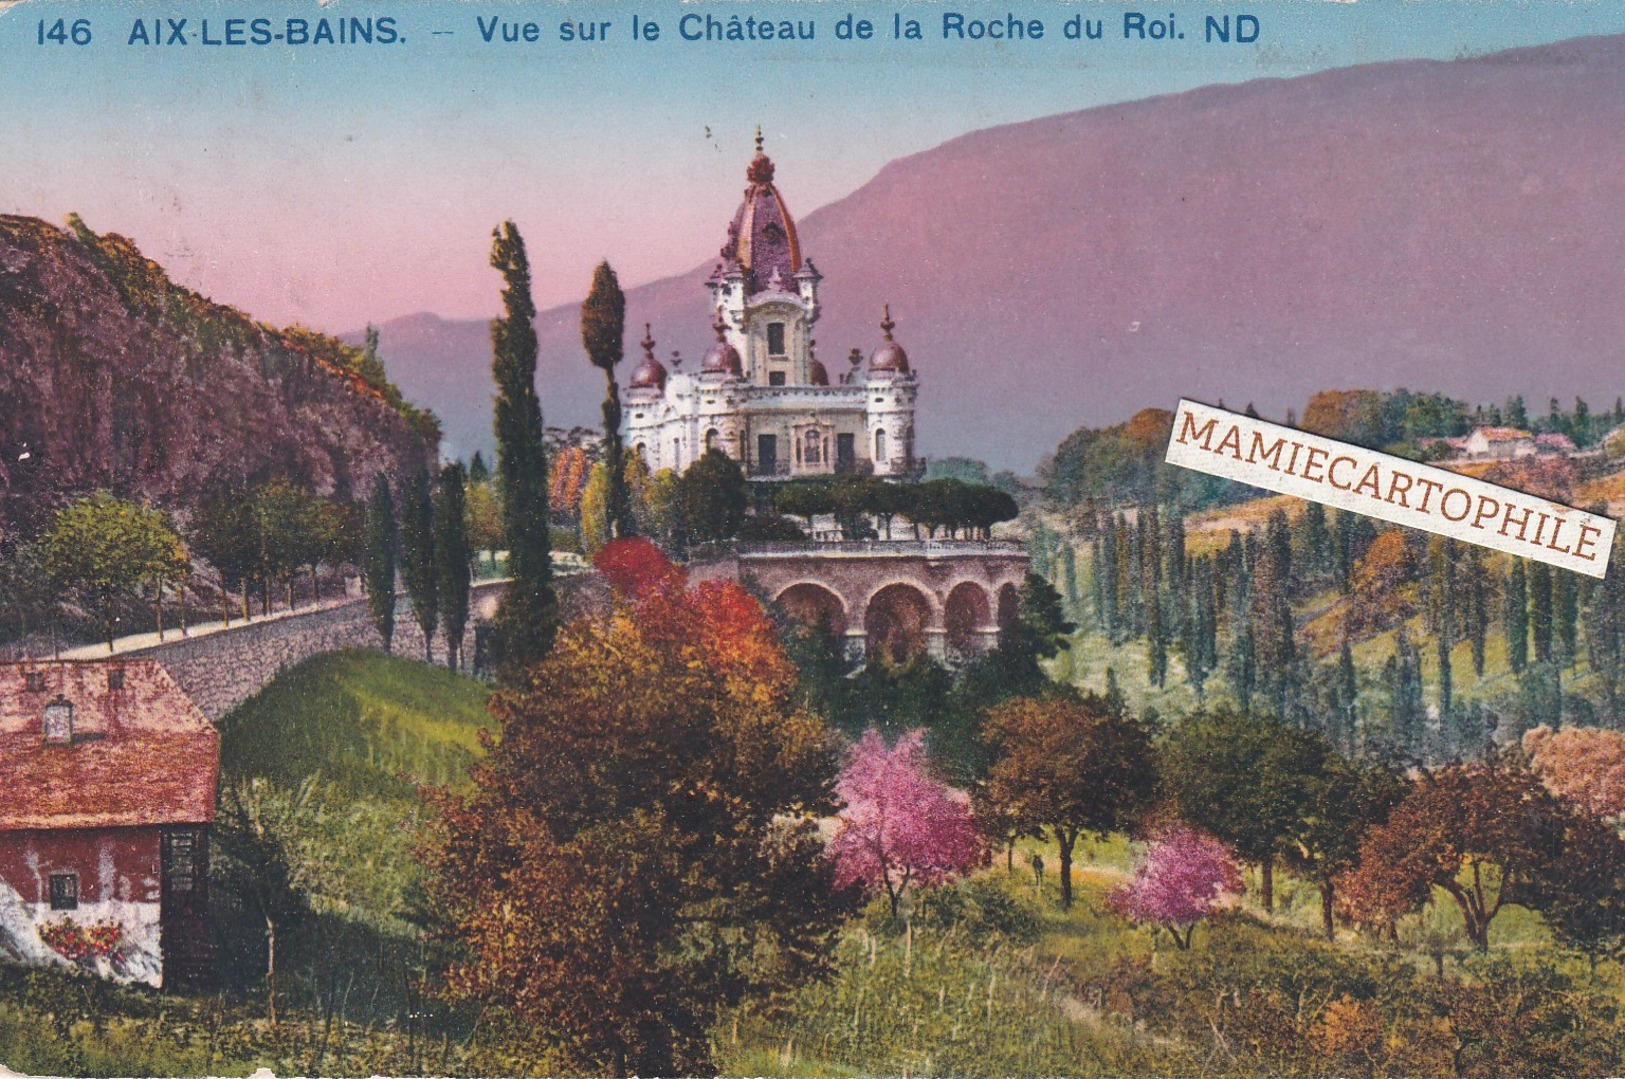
column 1294, row 462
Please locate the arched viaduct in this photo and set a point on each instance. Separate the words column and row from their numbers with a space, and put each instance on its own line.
column 947, row 599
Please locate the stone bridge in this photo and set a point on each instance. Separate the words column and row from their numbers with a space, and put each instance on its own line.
column 896, row 599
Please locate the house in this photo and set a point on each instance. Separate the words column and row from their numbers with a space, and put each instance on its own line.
column 1499, row 443
column 108, row 774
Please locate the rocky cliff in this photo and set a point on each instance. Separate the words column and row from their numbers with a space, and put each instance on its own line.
column 113, row 377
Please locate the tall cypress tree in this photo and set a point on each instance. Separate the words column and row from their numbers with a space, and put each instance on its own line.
column 1540, row 610
column 1515, row 620
column 525, row 622
column 1565, row 615
column 379, row 568
column 418, row 557
column 1157, row 643
column 1478, row 615
column 603, row 326
column 454, row 559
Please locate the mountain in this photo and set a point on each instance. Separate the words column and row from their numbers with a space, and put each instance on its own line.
column 113, row 377
column 1443, row 225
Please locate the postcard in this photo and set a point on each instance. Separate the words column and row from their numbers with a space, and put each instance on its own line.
column 974, row 537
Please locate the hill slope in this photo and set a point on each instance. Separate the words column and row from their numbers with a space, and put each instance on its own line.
column 1442, row 225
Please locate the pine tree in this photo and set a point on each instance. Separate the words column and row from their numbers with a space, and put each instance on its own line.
column 478, row 471
column 454, row 559
column 1540, row 610
column 603, row 326
column 379, row 569
column 523, row 628
column 1515, row 619
column 418, row 570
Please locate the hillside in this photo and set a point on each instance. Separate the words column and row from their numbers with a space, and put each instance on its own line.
column 1442, row 224
column 113, row 377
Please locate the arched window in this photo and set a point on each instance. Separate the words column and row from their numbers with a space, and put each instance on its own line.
column 880, row 446
column 711, row 437
column 642, row 449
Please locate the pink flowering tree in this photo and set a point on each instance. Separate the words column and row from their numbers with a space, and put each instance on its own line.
column 1178, row 882
column 900, row 827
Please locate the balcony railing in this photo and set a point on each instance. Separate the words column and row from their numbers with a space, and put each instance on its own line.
column 883, row 547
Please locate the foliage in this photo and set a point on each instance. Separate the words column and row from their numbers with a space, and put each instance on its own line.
column 603, row 318
column 102, row 548
column 899, row 827
column 712, row 498
column 567, row 480
column 523, row 628
column 419, row 567
column 1178, row 882
column 84, row 944
column 379, row 568
column 636, row 568
column 1583, row 765
column 639, row 849
column 1069, row 766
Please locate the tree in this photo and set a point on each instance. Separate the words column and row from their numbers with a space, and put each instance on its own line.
column 527, row 616
column 899, row 827
column 419, row 570
column 640, row 847
column 713, row 497
column 454, row 559
column 1484, row 833
column 1581, row 895
column 603, row 321
column 222, row 531
column 1246, row 779
column 1345, row 798
column 103, row 548
column 1515, row 619
column 1585, row 766
column 379, row 568
column 1540, row 610
column 1071, row 766
column 1177, row 883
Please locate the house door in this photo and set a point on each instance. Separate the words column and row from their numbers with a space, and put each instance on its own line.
column 767, row 455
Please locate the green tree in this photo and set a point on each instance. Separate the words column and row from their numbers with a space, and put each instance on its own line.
column 1540, row 610
column 603, row 323
column 714, row 496
column 379, row 563
column 223, row 532
column 1515, row 617
column 419, row 567
column 103, row 548
column 1249, row 780
column 454, row 559
column 527, row 617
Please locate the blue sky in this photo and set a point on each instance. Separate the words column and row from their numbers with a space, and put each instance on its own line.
column 338, row 185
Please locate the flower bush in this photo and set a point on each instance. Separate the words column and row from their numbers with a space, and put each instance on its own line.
column 84, row 944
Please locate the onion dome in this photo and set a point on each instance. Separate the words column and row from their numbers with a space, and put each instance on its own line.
column 816, row 374
column 723, row 359
column 890, row 355
column 650, row 374
column 762, row 239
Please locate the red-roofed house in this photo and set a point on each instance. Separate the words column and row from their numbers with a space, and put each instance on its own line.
column 107, row 787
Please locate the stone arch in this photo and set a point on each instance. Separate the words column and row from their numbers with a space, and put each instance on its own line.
column 1009, row 606
column 896, row 621
column 965, row 614
column 810, row 604
column 712, row 435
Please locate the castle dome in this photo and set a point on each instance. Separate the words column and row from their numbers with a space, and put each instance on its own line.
column 723, row 358
column 762, row 239
column 889, row 357
column 650, row 374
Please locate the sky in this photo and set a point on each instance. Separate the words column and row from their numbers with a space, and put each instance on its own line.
column 336, row 185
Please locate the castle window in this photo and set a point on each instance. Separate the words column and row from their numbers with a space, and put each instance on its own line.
column 711, row 437
column 775, row 378
column 775, row 339
column 880, row 445
column 64, row 891
column 813, row 454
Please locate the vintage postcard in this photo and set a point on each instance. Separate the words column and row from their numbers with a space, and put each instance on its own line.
column 1030, row 538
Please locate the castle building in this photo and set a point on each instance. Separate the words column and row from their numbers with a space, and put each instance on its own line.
column 761, row 394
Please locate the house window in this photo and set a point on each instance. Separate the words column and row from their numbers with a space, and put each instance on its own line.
column 180, row 861
column 115, row 679
column 775, row 378
column 814, row 454
column 35, row 682
column 58, row 722
column 64, row 891
column 775, row 339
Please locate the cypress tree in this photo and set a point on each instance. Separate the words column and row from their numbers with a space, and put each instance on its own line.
column 522, row 631
column 379, row 568
column 1445, row 686
column 418, row 557
column 1069, row 576
column 478, row 471
column 454, row 559
column 1157, row 646
column 1478, row 615
column 1566, row 614
column 603, row 325
column 1540, row 610
column 1515, row 620
column 1348, row 693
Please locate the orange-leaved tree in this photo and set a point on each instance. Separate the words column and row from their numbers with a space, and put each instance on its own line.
column 639, row 848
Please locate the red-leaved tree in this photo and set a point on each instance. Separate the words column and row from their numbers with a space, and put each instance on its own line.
column 1583, row 765
column 1178, row 882
column 900, row 827
column 637, row 568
